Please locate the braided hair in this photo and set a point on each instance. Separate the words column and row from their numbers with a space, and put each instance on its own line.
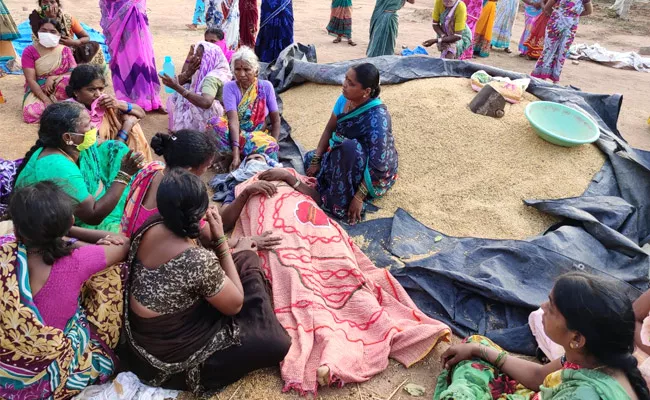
column 603, row 315
column 185, row 148
column 57, row 119
column 42, row 214
column 182, row 201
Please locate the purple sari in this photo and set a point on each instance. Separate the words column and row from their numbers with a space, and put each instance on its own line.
column 133, row 65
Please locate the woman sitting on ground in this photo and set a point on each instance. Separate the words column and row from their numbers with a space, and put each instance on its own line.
column 450, row 24
column 85, row 51
column 59, row 344
column 597, row 361
column 96, row 177
column 214, row 325
column 356, row 159
column 47, row 65
column 199, row 88
column 248, row 101
column 216, row 36
column 114, row 119
column 193, row 151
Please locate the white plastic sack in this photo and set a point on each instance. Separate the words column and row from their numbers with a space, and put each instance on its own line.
column 126, row 386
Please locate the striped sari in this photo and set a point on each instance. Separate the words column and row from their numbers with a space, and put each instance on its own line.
column 340, row 24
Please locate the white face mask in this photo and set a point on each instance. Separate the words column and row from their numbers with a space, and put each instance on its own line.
column 48, row 40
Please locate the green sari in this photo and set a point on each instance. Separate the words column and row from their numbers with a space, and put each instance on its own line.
column 97, row 168
column 480, row 380
column 383, row 28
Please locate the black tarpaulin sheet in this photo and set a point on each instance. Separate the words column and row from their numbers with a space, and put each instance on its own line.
column 490, row 286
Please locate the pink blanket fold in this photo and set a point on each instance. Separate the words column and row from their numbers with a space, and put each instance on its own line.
column 340, row 310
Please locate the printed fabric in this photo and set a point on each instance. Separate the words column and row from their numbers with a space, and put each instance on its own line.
column 474, row 8
column 505, row 18
column 339, row 309
column 276, row 29
column 39, row 361
column 253, row 136
column 340, row 24
column 224, row 14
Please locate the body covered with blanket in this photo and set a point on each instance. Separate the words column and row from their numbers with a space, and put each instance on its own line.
column 340, row 310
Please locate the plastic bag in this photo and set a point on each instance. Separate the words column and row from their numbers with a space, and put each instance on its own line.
column 512, row 90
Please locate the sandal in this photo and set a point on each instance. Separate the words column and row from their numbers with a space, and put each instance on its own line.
column 337, row 40
column 507, row 50
column 351, row 43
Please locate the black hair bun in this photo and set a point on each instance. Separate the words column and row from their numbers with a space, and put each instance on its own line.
column 160, row 143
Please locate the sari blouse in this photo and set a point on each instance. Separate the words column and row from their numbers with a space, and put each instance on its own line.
column 370, row 125
column 232, row 96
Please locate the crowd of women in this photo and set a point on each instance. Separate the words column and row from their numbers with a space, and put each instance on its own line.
column 472, row 28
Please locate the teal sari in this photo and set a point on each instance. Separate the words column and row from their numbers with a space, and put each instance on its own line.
column 383, row 28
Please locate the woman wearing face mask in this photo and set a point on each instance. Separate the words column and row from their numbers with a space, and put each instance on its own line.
column 356, row 159
column 450, row 24
column 114, row 119
column 591, row 318
column 247, row 101
column 85, row 51
column 199, row 88
column 47, row 65
column 96, row 177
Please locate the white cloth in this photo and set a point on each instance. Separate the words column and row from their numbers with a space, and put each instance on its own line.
column 126, row 386
column 614, row 59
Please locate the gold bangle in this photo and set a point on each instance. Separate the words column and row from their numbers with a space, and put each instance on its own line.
column 116, row 180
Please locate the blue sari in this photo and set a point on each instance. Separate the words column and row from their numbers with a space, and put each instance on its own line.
column 276, row 29
column 362, row 151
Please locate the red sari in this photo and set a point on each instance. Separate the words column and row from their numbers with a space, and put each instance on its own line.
column 248, row 17
column 535, row 42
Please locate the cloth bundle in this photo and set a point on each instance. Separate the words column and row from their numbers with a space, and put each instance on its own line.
column 512, row 90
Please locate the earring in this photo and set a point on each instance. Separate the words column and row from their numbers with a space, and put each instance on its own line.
column 573, row 345
column 69, row 142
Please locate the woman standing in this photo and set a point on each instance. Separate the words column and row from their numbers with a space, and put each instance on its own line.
column 133, row 64
column 383, row 27
column 534, row 44
column 483, row 32
column 560, row 32
column 340, row 24
column 505, row 18
column 356, row 159
column 450, row 24
column 276, row 29
column 249, row 17
column 531, row 11
column 474, row 8
column 224, row 14
column 8, row 29
column 199, row 15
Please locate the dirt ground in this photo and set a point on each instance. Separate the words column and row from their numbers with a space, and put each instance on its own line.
column 168, row 19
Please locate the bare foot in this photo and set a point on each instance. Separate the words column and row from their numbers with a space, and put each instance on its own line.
column 337, row 40
column 323, row 375
column 161, row 110
column 192, row 27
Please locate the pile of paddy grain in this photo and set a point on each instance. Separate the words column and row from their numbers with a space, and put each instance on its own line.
column 460, row 173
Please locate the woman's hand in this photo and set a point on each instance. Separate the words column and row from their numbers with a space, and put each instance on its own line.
column 236, row 159
column 548, row 9
column 128, row 122
column 266, row 241
column 354, row 211
column 243, row 244
column 48, row 88
column 107, row 101
column 278, row 174
column 214, row 221
column 171, row 82
column 313, row 170
column 69, row 42
column 458, row 353
column 132, row 162
column 109, row 240
column 261, row 187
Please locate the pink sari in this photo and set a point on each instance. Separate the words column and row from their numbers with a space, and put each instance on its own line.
column 56, row 63
column 474, row 8
column 339, row 309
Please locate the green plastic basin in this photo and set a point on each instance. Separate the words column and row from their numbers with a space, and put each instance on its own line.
column 561, row 125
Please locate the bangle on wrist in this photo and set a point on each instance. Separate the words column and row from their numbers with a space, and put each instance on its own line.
column 122, row 134
column 220, row 240
column 295, row 185
column 234, row 143
column 123, row 182
column 129, row 107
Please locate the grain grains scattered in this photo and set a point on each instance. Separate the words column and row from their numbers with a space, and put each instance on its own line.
column 459, row 173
